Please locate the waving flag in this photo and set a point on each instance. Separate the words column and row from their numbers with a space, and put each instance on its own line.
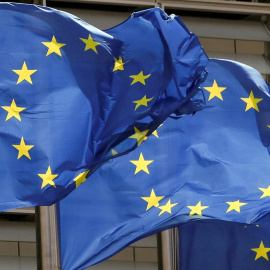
column 71, row 93
column 214, row 164
column 225, row 245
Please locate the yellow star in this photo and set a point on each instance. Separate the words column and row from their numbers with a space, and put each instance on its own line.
column 167, row 207
column 114, row 152
column 13, row 110
column 252, row 102
column 235, row 206
column 90, row 44
column 142, row 102
column 197, row 209
column 139, row 135
column 24, row 73
column 141, row 164
column 53, row 46
column 139, row 78
column 81, row 178
column 48, row 178
column 152, row 200
column 23, row 149
column 118, row 65
column 261, row 251
column 215, row 91
column 266, row 192
column 155, row 132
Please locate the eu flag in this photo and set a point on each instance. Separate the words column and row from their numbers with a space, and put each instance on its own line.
column 214, row 164
column 223, row 245
column 72, row 95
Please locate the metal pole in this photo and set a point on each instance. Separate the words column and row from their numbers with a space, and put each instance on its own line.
column 48, row 255
column 168, row 244
column 39, row 2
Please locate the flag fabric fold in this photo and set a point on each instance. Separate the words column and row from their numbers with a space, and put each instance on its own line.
column 72, row 95
column 212, row 165
column 216, row 244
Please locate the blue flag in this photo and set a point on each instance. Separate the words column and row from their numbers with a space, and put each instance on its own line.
column 73, row 95
column 223, row 245
column 214, row 164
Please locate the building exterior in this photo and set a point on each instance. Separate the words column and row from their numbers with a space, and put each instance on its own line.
column 236, row 30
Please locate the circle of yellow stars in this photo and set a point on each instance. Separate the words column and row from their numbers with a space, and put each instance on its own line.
column 13, row 110
column 26, row 74
column 154, row 200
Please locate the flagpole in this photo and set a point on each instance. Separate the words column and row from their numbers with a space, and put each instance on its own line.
column 168, row 246
column 168, row 241
column 48, row 255
column 40, row 2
